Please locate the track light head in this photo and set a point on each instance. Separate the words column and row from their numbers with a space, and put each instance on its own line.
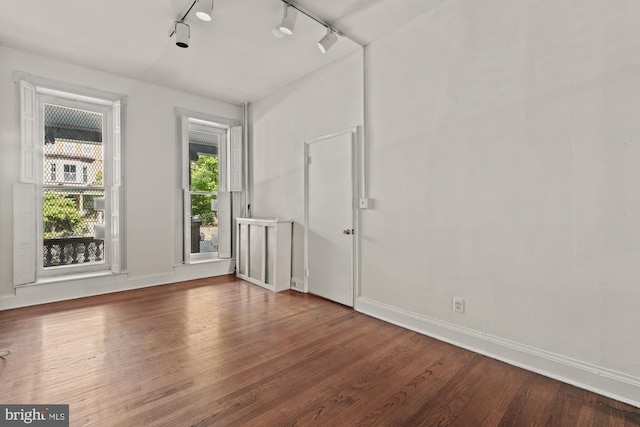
column 182, row 32
column 277, row 33
column 327, row 41
column 204, row 10
column 288, row 21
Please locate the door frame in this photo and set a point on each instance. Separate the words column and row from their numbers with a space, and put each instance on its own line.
column 355, row 133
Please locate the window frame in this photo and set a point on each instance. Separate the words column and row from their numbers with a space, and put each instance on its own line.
column 67, row 100
column 28, row 246
column 204, row 127
column 233, row 137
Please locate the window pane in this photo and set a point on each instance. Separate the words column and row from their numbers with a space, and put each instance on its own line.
column 202, row 167
column 204, row 224
column 203, row 161
column 73, row 144
column 69, row 224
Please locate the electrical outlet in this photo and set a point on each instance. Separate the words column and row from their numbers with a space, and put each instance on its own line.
column 458, row 305
column 297, row 284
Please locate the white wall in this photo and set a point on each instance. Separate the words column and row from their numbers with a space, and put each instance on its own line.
column 504, row 165
column 150, row 148
column 327, row 101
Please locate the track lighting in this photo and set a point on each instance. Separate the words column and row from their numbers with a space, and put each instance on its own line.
column 327, row 41
column 183, row 32
column 288, row 21
column 204, row 10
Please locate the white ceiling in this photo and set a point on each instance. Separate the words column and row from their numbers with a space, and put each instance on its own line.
column 233, row 58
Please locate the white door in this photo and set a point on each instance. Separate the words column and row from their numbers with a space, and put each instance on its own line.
column 330, row 217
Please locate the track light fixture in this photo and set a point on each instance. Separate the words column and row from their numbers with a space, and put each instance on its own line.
column 288, row 20
column 327, row 41
column 183, row 33
column 204, row 11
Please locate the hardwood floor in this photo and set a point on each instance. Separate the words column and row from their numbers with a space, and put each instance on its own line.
column 224, row 352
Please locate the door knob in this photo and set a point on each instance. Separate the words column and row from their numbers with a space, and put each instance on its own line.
column 347, row 231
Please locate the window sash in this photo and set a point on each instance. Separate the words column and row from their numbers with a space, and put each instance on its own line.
column 69, row 182
column 223, row 199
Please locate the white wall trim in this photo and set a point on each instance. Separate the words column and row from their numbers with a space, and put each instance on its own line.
column 70, row 90
column 616, row 385
column 223, row 122
column 89, row 285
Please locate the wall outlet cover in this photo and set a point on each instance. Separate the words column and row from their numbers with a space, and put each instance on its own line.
column 458, row 305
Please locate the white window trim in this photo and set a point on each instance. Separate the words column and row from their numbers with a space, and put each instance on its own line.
column 69, row 90
column 233, row 131
column 28, row 235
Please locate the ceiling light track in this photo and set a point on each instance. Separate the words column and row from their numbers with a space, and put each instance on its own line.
column 204, row 12
column 289, row 19
column 312, row 16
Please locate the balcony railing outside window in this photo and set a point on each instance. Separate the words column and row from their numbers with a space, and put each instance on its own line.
column 72, row 250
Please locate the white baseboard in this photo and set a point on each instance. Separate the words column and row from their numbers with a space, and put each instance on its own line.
column 615, row 385
column 60, row 289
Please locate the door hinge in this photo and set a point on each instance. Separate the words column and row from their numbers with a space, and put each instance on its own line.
column 308, row 160
column 306, row 273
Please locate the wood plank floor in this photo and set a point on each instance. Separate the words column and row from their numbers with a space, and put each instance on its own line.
column 224, row 352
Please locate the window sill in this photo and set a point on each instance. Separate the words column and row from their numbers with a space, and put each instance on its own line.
column 206, row 266
column 204, row 260
column 70, row 278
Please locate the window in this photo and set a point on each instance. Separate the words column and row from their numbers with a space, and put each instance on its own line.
column 70, row 173
column 79, row 133
column 204, row 179
column 206, row 194
column 69, row 217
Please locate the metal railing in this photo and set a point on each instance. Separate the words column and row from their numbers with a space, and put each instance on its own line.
column 72, row 250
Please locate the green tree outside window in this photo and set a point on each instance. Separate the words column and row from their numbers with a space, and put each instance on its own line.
column 204, row 177
column 61, row 216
